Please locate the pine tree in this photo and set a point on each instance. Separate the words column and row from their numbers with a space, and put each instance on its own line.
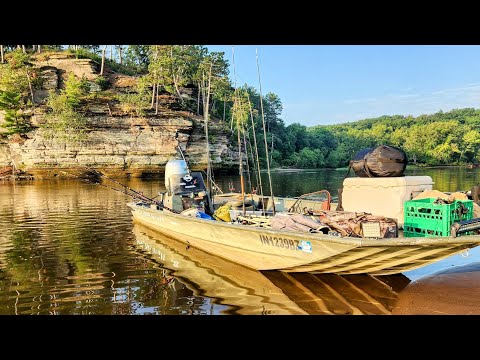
column 15, row 122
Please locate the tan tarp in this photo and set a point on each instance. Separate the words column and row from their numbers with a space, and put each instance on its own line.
column 438, row 194
column 350, row 223
column 450, row 198
column 296, row 222
column 476, row 211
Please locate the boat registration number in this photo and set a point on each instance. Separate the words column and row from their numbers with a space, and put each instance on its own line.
column 286, row 243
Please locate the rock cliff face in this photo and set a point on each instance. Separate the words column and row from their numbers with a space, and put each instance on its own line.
column 115, row 142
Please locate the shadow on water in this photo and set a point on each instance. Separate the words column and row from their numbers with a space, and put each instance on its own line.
column 270, row 292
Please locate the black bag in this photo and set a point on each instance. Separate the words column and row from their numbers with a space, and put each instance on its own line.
column 382, row 161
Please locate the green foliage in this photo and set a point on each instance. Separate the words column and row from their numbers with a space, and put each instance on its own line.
column 137, row 57
column 37, row 81
column 13, row 77
column 74, row 90
column 135, row 103
column 52, row 47
column 241, row 109
column 84, row 85
column 63, row 121
column 438, row 139
column 176, row 66
column 85, row 53
column 15, row 121
column 18, row 59
column 14, row 91
column 102, row 82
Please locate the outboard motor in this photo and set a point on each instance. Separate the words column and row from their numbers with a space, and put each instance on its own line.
column 174, row 167
column 185, row 189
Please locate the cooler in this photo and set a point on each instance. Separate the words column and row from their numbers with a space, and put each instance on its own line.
column 383, row 196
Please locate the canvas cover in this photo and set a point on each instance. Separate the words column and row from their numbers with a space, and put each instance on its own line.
column 382, row 161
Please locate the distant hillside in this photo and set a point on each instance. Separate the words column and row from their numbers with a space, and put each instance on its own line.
column 443, row 138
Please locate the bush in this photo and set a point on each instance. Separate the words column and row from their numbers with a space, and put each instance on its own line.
column 18, row 59
column 84, row 84
column 132, row 104
column 73, row 90
column 102, row 82
column 135, row 103
column 36, row 80
column 63, row 121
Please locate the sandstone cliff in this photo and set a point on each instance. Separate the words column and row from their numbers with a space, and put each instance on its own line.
column 117, row 143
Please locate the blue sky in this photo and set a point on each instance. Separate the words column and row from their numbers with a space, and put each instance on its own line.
column 330, row 84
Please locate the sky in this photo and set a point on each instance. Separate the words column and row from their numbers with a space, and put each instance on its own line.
column 331, row 84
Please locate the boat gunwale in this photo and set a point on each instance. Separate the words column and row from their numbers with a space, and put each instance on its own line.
column 362, row 242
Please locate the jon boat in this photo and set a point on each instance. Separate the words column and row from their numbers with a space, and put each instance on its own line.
column 261, row 248
column 247, row 291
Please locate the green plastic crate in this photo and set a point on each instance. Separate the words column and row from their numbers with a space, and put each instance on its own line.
column 423, row 218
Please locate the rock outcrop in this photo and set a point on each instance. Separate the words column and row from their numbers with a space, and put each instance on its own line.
column 115, row 142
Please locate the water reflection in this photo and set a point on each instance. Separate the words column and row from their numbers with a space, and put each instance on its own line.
column 296, row 183
column 270, row 292
column 67, row 247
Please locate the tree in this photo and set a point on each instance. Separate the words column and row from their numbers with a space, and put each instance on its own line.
column 103, row 60
column 15, row 75
column 471, row 141
column 73, row 91
column 216, row 66
column 159, row 71
column 15, row 121
column 138, row 57
column 298, row 136
column 135, row 103
column 185, row 59
column 119, row 50
column 62, row 120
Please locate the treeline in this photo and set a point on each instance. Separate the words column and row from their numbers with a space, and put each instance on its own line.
column 443, row 138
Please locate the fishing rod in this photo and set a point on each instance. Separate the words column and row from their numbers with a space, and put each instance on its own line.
column 240, row 157
column 183, row 157
column 139, row 194
column 265, row 136
column 259, row 179
column 134, row 194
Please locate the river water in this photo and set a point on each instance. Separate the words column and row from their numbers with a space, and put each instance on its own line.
column 67, row 247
